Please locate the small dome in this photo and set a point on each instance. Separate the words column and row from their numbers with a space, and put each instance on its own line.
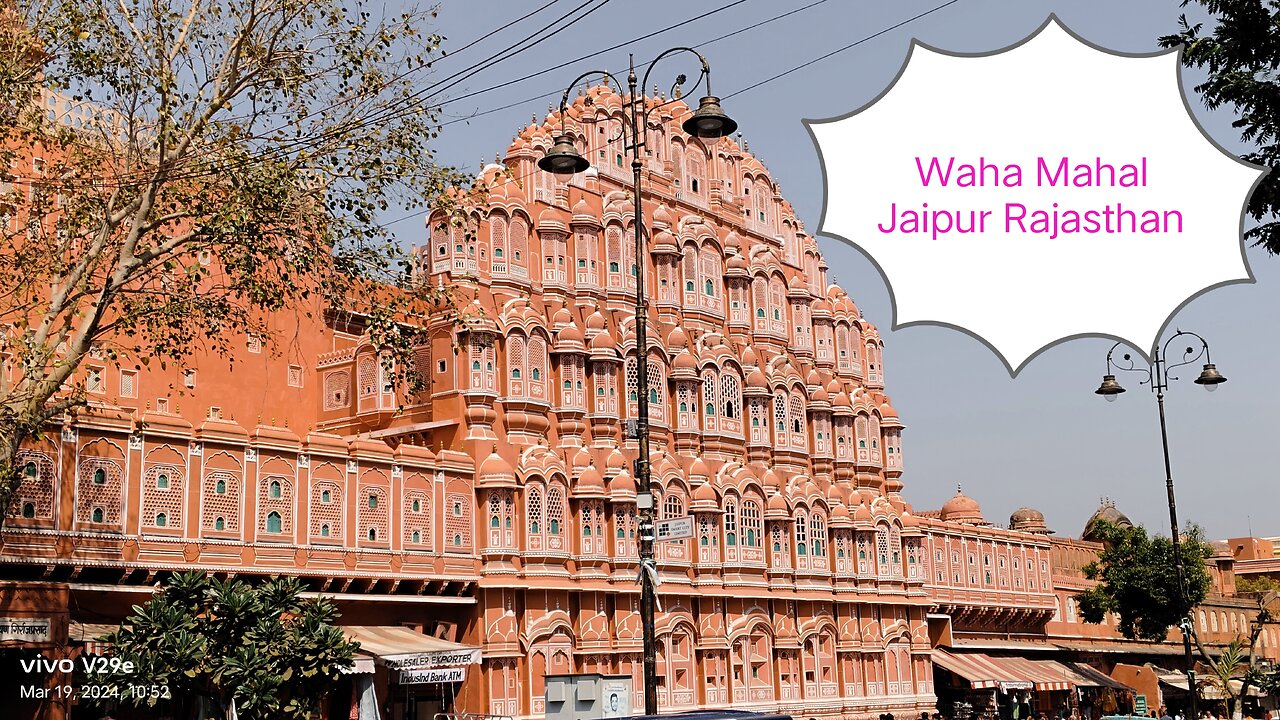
column 963, row 509
column 757, row 380
column 778, row 502
column 590, row 479
column 749, row 356
column 1028, row 520
column 1106, row 512
column 603, row 341
column 595, row 321
column 699, row 468
column 662, row 216
column 561, row 318
column 685, row 361
column 677, row 338
column 705, row 493
column 570, row 334
column 552, row 218
column 495, row 471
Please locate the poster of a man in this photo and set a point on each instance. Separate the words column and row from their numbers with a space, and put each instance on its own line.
column 617, row 699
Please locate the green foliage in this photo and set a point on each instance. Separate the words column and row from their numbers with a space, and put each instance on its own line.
column 1242, row 56
column 276, row 654
column 228, row 166
column 1260, row 585
column 1138, row 580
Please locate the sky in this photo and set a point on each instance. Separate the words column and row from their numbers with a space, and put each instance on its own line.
column 1042, row 439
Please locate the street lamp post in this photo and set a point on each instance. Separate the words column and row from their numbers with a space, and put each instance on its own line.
column 708, row 121
column 1158, row 377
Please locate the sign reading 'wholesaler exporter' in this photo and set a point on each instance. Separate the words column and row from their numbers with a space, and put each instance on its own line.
column 439, row 659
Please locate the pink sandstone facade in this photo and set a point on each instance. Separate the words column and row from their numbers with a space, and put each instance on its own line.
column 497, row 507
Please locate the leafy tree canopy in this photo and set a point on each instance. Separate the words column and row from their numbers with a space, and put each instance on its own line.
column 1137, row 580
column 1241, row 52
column 272, row 652
column 175, row 173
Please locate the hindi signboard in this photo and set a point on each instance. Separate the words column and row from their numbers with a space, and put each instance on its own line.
column 678, row 528
column 32, row 630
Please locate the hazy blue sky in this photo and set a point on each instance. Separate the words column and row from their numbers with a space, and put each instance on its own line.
column 1043, row 439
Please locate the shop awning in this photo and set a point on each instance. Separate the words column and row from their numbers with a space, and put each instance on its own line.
column 1087, row 676
column 90, row 635
column 363, row 666
column 982, row 671
column 402, row 648
column 1208, row 691
column 1009, row 673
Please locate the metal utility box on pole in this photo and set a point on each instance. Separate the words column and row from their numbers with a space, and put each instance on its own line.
column 588, row 696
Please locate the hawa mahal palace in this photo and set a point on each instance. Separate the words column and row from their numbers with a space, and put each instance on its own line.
column 496, row 508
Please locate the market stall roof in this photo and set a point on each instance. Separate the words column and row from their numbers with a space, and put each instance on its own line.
column 1207, row 691
column 1093, row 678
column 982, row 671
column 403, row 648
column 90, row 635
column 1009, row 673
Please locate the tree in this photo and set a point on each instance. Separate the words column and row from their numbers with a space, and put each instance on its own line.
column 1242, row 56
column 272, row 653
column 173, row 174
column 1138, row 580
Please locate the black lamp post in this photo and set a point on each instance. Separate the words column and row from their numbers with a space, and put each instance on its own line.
column 708, row 121
column 1158, row 377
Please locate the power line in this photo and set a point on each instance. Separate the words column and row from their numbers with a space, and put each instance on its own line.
column 601, row 52
column 739, row 31
column 491, row 33
column 840, row 50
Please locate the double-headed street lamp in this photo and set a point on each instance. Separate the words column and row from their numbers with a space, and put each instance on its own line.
column 708, row 121
column 1158, row 377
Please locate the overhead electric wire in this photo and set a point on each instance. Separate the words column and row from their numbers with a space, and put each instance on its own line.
column 601, row 52
column 501, row 55
column 840, row 50
column 495, row 31
column 739, row 31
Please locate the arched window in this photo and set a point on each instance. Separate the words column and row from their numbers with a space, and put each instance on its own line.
column 161, row 519
column 162, row 481
column 324, row 530
column 273, row 522
column 818, row 535
column 555, row 510
column 709, row 400
column 220, row 487
column 219, row 523
column 99, row 476
column 751, row 524
column 326, row 496
column 97, row 515
column 802, row 534
column 28, row 510
column 533, row 505
column 273, row 490
column 730, row 523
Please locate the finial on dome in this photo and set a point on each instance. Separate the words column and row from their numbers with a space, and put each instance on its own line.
column 496, row 159
column 958, row 490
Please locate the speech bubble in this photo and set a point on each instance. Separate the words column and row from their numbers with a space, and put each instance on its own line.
column 1047, row 191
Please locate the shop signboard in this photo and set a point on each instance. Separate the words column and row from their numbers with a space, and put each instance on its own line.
column 1140, row 705
column 433, row 675
column 433, row 659
column 32, row 630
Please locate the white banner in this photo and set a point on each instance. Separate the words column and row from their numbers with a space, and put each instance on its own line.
column 434, row 675
column 34, row 630
column 441, row 658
